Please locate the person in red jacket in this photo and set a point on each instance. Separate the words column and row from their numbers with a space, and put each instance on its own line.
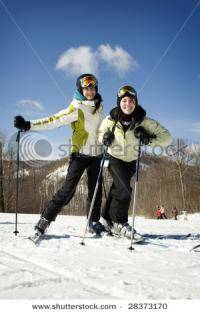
column 162, row 212
column 158, row 213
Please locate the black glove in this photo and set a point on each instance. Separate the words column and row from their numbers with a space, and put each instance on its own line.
column 108, row 138
column 20, row 123
column 141, row 133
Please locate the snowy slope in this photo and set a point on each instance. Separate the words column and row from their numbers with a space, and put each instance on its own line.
column 58, row 173
column 61, row 268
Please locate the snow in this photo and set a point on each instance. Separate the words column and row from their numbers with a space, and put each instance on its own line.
column 22, row 173
column 59, row 172
column 61, row 268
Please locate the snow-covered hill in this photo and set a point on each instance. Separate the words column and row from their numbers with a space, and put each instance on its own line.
column 60, row 172
column 61, row 268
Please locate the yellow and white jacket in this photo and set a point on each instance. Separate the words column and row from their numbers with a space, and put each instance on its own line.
column 83, row 122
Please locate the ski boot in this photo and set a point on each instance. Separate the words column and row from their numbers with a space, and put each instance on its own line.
column 96, row 228
column 125, row 230
column 40, row 228
column 108, row 225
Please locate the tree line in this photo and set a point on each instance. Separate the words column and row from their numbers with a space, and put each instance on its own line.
column 164, row 180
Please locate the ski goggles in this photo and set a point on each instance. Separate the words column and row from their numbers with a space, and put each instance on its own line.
column 88, row 81
column 127, row 89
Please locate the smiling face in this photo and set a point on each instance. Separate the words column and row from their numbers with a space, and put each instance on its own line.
column 89, row 92
column 127, row 105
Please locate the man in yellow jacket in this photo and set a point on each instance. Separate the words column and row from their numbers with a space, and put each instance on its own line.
column 120, row 132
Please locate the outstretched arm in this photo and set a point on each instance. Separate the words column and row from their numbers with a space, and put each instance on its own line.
column 63, row 117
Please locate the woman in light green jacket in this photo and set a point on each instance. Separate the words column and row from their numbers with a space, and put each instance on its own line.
column 120, row 131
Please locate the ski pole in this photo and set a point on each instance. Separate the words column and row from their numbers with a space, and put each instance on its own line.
column 17, row 184
column 135, row 193
column 95, row 192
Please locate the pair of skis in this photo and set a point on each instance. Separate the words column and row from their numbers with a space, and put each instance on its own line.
column 38, row 237
column 148, row 239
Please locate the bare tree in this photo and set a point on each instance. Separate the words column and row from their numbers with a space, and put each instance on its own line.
column 182, row 160
column 2, row 205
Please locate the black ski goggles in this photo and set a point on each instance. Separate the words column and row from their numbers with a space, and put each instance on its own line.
column 127, row 89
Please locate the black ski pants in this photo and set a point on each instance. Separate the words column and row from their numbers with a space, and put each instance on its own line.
column 78, row 164
column 119, row 197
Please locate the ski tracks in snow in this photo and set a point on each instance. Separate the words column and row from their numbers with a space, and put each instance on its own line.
column 60, row 267
column 26, row 274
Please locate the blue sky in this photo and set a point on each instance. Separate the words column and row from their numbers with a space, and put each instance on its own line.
column 151, row 44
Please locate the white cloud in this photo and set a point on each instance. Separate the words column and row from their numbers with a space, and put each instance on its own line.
column 78, row 60
column 31, row 103
column 84, row 59
column 117, row 58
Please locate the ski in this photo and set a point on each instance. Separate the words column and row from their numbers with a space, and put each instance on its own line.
column 135, row 241
column 148, row 241
column 36, row 238
column 196, row 248
column 138, row 241
column 163, row 237
column 160, row 240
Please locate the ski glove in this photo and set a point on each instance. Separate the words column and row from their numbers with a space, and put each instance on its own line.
column 20, row 123
column 108, row 138
column 141, row 133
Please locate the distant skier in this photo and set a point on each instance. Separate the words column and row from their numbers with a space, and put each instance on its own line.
column 85, row 116
column 158, row 213
column 175, row 213
column 120, row 132
column 162, row 212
